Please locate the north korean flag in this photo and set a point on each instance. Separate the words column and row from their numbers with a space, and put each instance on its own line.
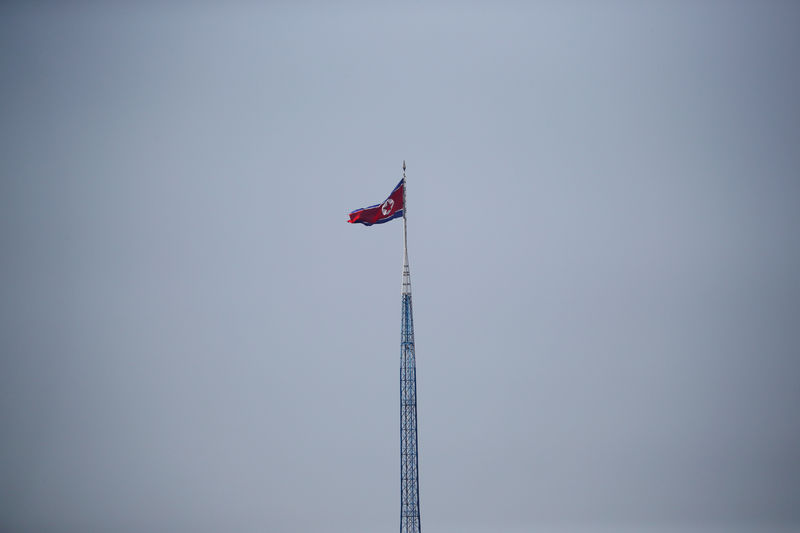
column 391, row 208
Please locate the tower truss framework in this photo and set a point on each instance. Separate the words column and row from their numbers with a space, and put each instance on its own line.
column 409, row 459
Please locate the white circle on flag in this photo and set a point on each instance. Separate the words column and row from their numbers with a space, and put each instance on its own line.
column 387, row 206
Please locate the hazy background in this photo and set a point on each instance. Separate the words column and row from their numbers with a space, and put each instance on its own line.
column 604, row 203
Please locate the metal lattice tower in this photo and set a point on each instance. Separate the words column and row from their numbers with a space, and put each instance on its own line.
column 409, row 468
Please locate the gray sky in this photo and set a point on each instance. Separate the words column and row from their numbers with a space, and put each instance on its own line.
column 604, row 203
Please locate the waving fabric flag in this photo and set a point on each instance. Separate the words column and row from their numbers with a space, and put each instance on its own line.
column 391, row 208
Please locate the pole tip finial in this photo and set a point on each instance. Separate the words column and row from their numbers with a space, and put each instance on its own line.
column 404, row 165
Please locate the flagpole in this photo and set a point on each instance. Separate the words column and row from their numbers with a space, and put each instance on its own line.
column 409, row 445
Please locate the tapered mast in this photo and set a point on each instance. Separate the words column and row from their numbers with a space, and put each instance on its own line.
column 409, row 465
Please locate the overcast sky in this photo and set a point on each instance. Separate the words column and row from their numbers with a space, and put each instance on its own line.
column 604, row 236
